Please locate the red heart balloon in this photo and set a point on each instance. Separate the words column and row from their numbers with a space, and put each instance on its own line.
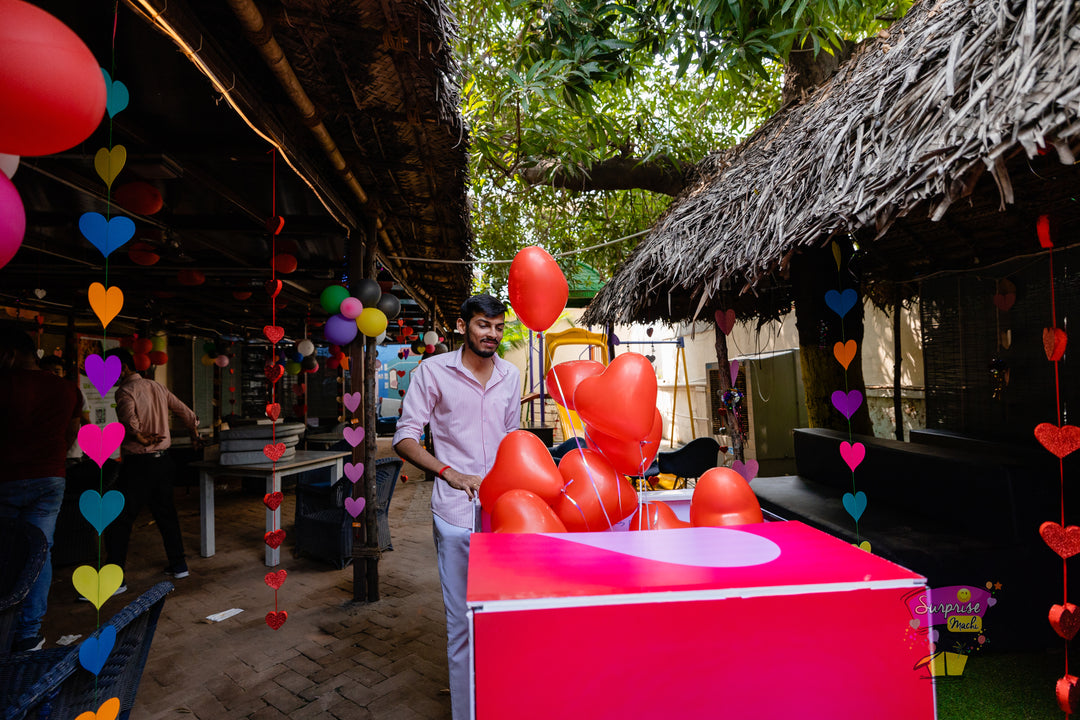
column 1059, row 440
column 595, row 496
column 274, row 451
column 562, row 380
column 630, row 457
column 520, row 511
column 621, row 401
column 275, row 579
column 276, row 618
column 273, row 333
column 537, row 287
column 273, row 500
column 656, row 516
column 1065, row 620
column 521, row 462
column 723, row 497
column 274, row 372
column 1065, row 541
column 274, row 538
column 273, row 410
column 273, row 287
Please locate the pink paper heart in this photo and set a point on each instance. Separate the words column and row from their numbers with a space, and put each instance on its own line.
column 352, row 401
column 354, row 436
column 100, row 443
column 354, row 471
column 853, row 453
column 748, row 469
column 354, row 506
column 725, row 320
column 733, row 367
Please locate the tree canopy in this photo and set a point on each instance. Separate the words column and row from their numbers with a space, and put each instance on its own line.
column 587, row 116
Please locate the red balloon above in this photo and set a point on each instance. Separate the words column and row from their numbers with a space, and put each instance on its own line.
column 630, row 457
column 521, row 462
column 562, row 380
column 52, row 86
column 538, row 289
column 723, row 497
column 520, row 511
column 595, row 497
column 621, row 401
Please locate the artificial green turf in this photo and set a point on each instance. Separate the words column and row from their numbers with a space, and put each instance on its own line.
column 1004, row 686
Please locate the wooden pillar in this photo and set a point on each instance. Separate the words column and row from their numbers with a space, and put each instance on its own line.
column 724, row 384
column 898, row 360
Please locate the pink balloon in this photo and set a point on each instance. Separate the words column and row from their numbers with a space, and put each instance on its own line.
column 221, row 361
column 351, row 308
column 12, row 221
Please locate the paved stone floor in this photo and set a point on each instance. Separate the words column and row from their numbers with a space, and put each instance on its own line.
column 333, row 658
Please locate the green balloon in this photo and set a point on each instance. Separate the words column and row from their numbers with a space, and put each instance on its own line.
column 293, row 368
column 331, row 298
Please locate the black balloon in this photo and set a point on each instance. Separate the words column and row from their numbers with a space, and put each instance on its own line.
column 440, row 348
column 390, row 305
column 368, row 292
column 309, row 363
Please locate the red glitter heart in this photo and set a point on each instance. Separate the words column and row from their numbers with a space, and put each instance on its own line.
column 400, row 373
column 274, row 372
column 1065, row 620
column 275, row 619
column 274, row 451
column 275, row 579
column 1065, row 541
column 275, row 224
column 273, row 500
column 274, row 538
column 1042, row 227
column 1054, row 341
column 273, row 287
column 273, row 410
column 1059, row 440
column 1067, row 697
column 274, row 333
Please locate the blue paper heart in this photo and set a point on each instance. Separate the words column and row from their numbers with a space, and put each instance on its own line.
column 106, row 236
column 855, row 504
column 94, row 651
column 841, row 302
column 100, row 511
column 116, row 94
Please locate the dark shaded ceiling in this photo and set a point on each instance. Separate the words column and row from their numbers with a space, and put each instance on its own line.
column 369, row 148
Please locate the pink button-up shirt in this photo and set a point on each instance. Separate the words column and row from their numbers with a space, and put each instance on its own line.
column 143, row 406
column 467, row 422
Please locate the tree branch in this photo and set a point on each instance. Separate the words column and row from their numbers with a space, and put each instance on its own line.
column 662, row 175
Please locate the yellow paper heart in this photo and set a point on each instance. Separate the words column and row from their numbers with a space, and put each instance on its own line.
column 109, row 163
column 97, row 587
column 106, row 304
column 864, row 545
column 836, row 254
column 109, row 710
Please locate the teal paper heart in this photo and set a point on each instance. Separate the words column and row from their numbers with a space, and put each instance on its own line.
column 855, row 504
column 116, row 94
column 100, row 511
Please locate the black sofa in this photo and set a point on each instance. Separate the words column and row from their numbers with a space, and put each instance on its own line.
column 958, row 514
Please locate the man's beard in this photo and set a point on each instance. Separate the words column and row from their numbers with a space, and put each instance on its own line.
column 477, row 349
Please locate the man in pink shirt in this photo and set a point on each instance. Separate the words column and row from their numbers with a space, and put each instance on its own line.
column 146, row 470
column 471, row 400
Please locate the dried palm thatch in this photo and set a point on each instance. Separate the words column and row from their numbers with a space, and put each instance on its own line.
column 914, row 123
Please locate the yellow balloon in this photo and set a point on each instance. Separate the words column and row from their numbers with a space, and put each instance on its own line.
column 159, row 342
column 371, row 321
column 206, row 360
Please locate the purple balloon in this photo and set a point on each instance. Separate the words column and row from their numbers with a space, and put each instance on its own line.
column 340, row 330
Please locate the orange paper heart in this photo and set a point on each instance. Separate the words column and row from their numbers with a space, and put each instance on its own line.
column 106, row 304
column 1065, row 541
column 845, row 352
column 274, row 538
column 1059, row 440
column 1065, row 620
column 1054, row 341
column 275, row 579
column 273, row 500
column 275, row 619
column 109, row 710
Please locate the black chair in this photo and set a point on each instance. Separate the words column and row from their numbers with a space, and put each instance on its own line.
column 690, row 461
column 53, row 684
column 21, row 562
column 558, row 451
column 323, row 527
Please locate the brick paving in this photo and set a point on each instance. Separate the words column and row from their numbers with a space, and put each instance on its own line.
column 333, row 658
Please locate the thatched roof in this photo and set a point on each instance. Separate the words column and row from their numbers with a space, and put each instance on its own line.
column 936, row 146
column 360, row 95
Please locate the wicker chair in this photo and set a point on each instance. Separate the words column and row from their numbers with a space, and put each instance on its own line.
column 53, row 684
column 22, row 560
column 324, row 528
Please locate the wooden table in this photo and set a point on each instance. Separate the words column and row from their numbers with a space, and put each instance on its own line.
column 303, row 461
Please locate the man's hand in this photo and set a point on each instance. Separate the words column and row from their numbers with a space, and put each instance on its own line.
column 459, row 481
column 148, row 439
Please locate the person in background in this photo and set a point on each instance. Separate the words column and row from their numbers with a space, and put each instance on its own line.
column 471, row 400
column 38, row 424
column 55, row 365
column 146, row 470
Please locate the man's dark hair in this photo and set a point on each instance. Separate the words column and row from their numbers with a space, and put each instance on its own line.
column 15, row 340
column 482, row 304
column 50, row 361
column 125, row 357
